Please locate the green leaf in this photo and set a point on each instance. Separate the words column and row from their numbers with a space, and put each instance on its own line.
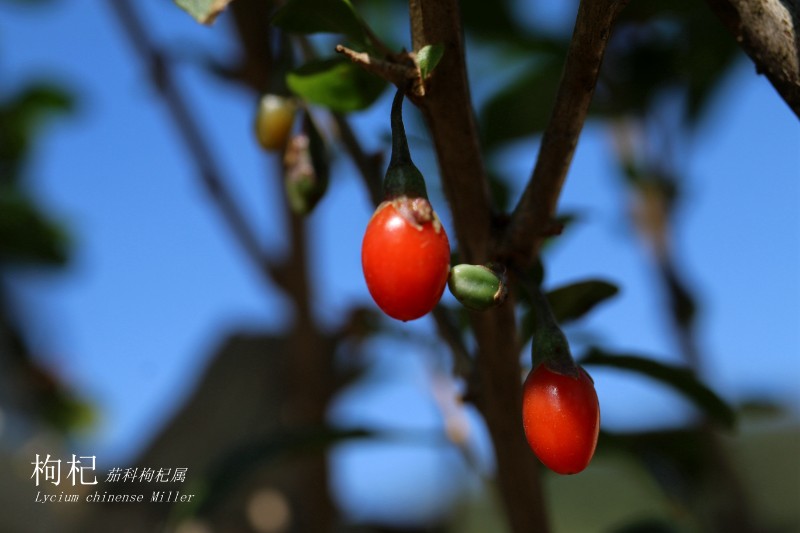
column 337, row 84
column 648, row 525
column 428, row 57
column 523, row 107
column 20, row 117
column 681, row 379
column 573, row 301
column 203, row 11
column 28, row 236
column 322, row 16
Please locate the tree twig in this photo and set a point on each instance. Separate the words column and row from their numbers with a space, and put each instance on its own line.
column 769, row 32
column 201, row 153
column 447, row 107
column 448, row 111
column 535, row 210
column 310, row 368
column 393, row 70
column 369, row 165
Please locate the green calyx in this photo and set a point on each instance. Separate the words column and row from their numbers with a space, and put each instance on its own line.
column 550, row 346
column 477, row 287
column 402, row 178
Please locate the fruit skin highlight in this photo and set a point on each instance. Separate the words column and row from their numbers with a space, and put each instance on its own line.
column 405, row 257
column 561, row 418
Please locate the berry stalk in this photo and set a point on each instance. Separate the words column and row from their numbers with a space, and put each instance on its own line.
column 550, row 345
column 402, row 178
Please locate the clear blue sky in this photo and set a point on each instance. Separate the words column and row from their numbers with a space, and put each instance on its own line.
column 155, row 280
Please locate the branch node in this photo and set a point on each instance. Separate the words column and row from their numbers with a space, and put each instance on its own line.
column 398, row 69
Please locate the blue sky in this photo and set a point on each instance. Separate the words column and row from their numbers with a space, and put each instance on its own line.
column 155, row 280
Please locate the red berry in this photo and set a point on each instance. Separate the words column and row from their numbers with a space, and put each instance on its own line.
column 561, row 417
column 406, row 258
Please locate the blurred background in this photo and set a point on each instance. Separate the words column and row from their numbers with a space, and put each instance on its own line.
column 161, row 307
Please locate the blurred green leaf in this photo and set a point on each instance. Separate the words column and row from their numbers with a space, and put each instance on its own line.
column 496, row 21
column 322, row 16
column 573, row 301
column 676, row 458
column 42, row 98
column 27, row 235
column 660, row 47
column 523, row 107
column 681, row 379
column 500, row 192
column 428, row 57
column 20, row 116
column 648, row 525
column 567, row 303
column 68, row 413
column 681, row 301
column 338, row 84
column 203, row 11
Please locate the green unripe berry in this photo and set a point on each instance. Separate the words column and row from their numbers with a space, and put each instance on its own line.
column 477, row 287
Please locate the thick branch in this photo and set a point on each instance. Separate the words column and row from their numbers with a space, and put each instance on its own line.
column 533, row 216
column 447, row 107
column 768, row 32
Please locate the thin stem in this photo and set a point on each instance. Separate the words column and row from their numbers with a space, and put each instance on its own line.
column 536, row 209
column 402, row 178
column 497, row 392
column 400, row 152
column 448, row 331
column 200, row 150
column 369, row 166
column 549, row 344
column 447, row 108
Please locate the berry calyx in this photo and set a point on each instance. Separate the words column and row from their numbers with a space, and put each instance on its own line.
column 561, row 418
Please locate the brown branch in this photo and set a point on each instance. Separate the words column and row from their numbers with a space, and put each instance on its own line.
column 769, row 32
column 369, row 166
column 537, row 207
column 448, row 111
column 449, row 333
column 310, row 368
column 447, row 107
column 200, row 150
